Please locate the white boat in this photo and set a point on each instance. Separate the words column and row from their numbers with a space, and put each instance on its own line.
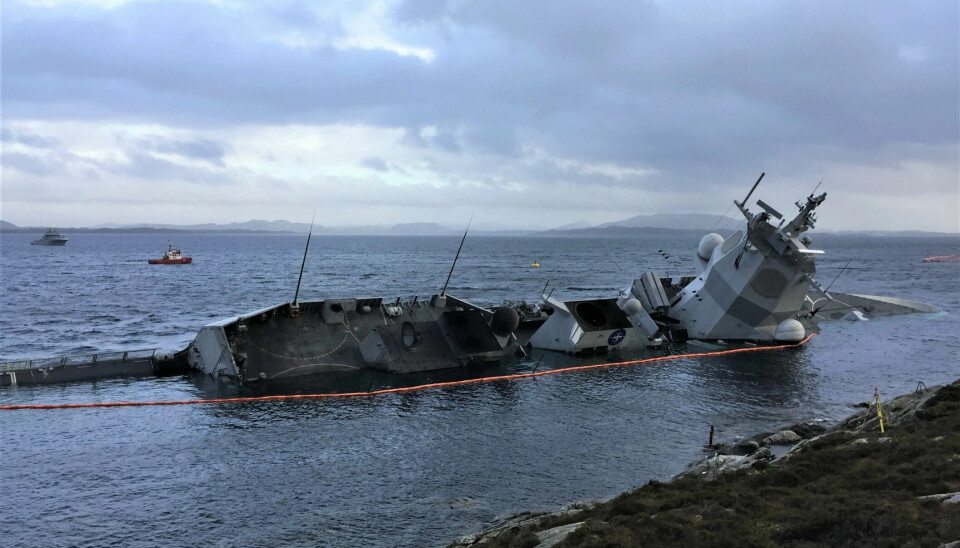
column 51, row 237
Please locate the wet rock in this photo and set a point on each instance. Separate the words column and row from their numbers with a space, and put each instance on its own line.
column 946, row 498
column 721, row 447
column 711, row 467
column 581, row 505
column 807, row 431
column 745, row 447
column 783, row 437
column 894, row 411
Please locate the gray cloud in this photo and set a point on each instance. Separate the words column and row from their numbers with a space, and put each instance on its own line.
column 703, row 95
column 28, row 163
column 198, row 149
column 149, row 167
column 375, row 163
column 61, row 164
column 26, row 138
column 633, row 82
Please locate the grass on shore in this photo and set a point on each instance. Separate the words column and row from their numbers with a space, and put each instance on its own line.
column 832, row 493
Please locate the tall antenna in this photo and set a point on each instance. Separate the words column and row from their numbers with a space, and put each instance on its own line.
column 744, row 202
column 444, row 290
column 815, row 188
column 307, row 248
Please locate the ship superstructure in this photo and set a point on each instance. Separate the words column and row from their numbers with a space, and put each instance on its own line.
column 753, row 284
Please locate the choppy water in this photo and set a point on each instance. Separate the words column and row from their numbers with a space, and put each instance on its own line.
column 393, row 470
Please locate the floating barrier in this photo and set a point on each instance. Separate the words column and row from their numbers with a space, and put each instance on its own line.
column 406, row 389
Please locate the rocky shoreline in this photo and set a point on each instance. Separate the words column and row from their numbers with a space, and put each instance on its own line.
column 850, row 484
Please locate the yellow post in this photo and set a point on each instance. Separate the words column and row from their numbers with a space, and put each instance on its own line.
column 876, row 399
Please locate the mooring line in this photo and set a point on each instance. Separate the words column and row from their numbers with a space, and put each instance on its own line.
column 401, row 390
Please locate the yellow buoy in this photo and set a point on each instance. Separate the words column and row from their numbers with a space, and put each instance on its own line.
column 535, row 264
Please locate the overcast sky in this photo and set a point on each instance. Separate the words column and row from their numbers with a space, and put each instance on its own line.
column 531, row 114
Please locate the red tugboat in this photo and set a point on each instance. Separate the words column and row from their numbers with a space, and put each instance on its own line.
column 172, row 256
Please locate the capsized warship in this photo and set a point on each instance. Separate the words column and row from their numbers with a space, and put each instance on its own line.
column 756, row 285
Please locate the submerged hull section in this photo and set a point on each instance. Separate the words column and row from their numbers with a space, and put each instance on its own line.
column 840, row 304
column 589, row 327
column 343, row 335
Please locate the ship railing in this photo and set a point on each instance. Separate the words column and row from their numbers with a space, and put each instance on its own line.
column 77, row 359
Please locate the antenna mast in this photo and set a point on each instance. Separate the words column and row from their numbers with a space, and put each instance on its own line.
column 444, row 290
column 302, row 264
column 744, row 202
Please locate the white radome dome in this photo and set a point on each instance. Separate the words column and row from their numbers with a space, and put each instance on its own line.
column 707, row 244
column 632, row 307
column 789, row 331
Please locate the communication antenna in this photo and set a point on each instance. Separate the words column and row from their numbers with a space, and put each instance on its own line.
column 744, row 202
column 444, row 290
column 816, row 187
column 302, row 264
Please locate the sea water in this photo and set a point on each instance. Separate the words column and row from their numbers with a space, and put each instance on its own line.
column 416, row 469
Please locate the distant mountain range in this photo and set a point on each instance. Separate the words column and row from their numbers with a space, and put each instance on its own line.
column 676, row 221
column 250, row 227
column 663, row 223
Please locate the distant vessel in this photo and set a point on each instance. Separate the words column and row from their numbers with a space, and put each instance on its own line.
column 172, row 256
column 943, row 259
column 51, row 237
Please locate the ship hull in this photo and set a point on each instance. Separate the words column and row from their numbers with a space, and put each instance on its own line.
column 349, row 335
column 185, row 260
